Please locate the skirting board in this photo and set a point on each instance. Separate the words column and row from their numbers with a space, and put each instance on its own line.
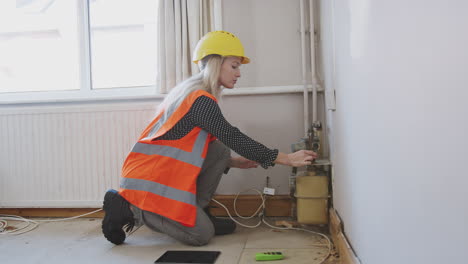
column 246, row 205
column 336, row 227
column 50, row 212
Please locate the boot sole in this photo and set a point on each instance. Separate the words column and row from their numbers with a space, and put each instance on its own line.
column 112, row 230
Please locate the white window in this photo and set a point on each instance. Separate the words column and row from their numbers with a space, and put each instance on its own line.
column 39, row 47
column 75, row 49
column 123, row 43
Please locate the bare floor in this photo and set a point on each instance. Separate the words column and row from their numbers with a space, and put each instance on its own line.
column 81, row 241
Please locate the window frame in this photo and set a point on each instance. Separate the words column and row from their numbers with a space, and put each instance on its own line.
column 86, row 93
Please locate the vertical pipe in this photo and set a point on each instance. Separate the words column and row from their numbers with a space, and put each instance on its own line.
column 312, row 61
column 304, row 77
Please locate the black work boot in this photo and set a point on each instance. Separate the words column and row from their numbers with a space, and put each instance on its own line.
column 223, row 226
column 117, row 217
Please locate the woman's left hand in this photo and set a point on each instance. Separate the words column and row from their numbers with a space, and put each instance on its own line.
column 242, row 163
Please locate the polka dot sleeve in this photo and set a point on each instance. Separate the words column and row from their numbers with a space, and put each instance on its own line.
column 205, row 113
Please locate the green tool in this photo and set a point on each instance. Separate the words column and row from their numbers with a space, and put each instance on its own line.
column 265, row 256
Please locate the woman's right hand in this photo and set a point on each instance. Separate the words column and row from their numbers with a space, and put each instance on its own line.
column 296, row 159
column 301, row 158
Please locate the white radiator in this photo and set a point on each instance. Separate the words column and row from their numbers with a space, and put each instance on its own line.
column 65, row 156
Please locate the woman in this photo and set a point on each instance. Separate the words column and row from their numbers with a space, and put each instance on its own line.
column 173, row 170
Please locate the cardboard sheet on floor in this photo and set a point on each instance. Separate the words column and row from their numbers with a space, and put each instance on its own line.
column 188, row 256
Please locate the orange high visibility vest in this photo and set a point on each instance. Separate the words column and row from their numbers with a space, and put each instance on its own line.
column 160, row 176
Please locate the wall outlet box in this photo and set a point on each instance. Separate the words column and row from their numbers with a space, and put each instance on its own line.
column 269, row 191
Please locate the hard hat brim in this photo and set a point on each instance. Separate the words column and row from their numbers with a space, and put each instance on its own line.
column 244, row 60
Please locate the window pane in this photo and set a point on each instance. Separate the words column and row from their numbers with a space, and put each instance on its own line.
column 123, row 43
column 38, row 46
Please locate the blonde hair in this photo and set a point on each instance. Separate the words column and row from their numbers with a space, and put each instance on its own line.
column 207, row 79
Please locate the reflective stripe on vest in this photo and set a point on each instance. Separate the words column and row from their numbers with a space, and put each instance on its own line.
column 195, row 157
column 159, row 189
column 159, row 124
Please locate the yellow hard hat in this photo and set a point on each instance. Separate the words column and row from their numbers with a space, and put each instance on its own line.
column 219, row 42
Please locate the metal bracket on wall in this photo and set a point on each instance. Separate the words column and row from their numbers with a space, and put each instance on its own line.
column 330, row 97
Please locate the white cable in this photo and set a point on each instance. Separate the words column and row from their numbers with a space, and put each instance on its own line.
column 29, row 224
column 227, row 210
column 256, row 212
column 262, row 215
column 69, row 218
column 3, row 225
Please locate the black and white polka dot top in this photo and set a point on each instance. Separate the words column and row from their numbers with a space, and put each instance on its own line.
column 206, row 114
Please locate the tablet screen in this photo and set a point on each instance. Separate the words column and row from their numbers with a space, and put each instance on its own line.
column 188, row 256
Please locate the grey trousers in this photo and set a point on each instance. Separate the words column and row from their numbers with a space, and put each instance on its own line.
column 216, row 161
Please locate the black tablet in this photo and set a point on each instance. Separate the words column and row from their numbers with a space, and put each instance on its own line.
column 188, row 256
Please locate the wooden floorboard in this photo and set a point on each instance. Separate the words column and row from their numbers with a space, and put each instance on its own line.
column 340, row 241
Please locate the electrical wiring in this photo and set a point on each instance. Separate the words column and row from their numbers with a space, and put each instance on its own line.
column 261, row 210
column 241, row 224
column 28, row 224
column 328, row 244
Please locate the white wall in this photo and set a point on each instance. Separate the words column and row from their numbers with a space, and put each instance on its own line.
column 269, row 31
column 399, row 131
